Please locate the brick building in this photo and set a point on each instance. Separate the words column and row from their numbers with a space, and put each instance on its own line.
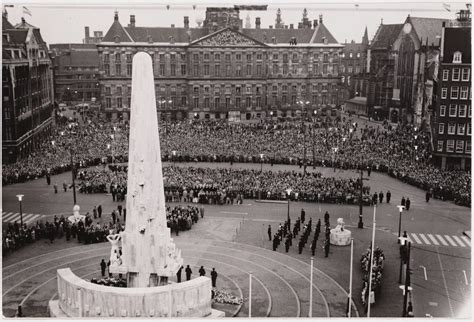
column 27, row 90
column 76, row 72
column 416, row 51
column 452, row 114
column 223, row 70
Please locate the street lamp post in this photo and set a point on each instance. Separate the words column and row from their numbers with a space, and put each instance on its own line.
column 361, row 223
column 174, row 157
column 310, row 314
column 20, row 198
column 400, row 210
column 73, row 171
column 261, row 162
column 288, row 192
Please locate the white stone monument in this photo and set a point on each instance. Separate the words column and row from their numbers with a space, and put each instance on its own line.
column 339, row 235
column 149, row 255
column 76, row 216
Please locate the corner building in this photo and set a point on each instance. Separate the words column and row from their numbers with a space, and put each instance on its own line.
column 452, row 114
column 27, row 90
column 221, row 70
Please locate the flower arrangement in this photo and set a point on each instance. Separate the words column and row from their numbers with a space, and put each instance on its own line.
column 225, row 297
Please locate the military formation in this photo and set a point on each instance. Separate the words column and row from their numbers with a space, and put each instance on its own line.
column 286, row 234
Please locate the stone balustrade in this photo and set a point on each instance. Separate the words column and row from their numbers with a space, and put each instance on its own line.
column 81, row 298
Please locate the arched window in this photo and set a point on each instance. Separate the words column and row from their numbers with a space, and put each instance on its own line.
column 457, row 57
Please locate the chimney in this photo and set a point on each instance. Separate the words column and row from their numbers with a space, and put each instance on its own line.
column 271, row 27
column 286, row 26
column 315, row 23
column 300, row 25
column 291, row 26
column 320, row 18
column 86, row 30
column 257, row 23
column 116, row 15
column 132, row 20
column 23, row 20
column 186, row 22
column 172, row 25
column 171, row 40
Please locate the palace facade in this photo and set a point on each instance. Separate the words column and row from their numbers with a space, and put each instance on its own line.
column 221, row 70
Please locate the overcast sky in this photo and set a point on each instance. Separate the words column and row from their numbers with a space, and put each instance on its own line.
column 63, row 21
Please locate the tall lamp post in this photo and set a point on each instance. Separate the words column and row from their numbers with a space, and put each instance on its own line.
column 73, row 172
column 20, row 198
column 261, row 162
column 174, row 157
column 288, row 192
column 400, row 210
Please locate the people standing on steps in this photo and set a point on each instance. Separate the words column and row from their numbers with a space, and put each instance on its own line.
column 213, row 277
column 188, row 272
column 202, row 271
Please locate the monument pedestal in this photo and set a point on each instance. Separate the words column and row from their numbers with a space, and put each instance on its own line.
column 340, row 238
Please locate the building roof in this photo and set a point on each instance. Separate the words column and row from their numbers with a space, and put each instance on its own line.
column 354, row 47
column 17, row 36
column 163, row 34
column 75, row 54
column 386, row 36
column 457, row 39
column 6, row 24
column 188, row 35
column 117, row 30
column 23, row 25
column 428, row 29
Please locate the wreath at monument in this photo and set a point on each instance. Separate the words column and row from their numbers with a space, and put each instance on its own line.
column 377, row 270
column 110, row 281
column 225, row 297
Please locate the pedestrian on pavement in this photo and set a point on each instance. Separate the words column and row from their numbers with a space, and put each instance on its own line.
column 380, row 196
column 428, row 196
column 389, row 195
column 403, row 201
column 269, row 232
column 55, row 186
column 313, row 246
column 214, row 277
column 407, row 204
column 48, row 179
column 178, row 274
column 303, row 215
column 119, row 208
column 94, row 212
column 188, row 273
column 99, row 210
column 103, row 266
column 202, row 271
column 275, row 241
column 124, row 214
column 114, row 217
column 65, row 186
column 287, row 244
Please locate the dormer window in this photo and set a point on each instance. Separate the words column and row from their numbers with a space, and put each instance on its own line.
column 117, row 38
column 350, row 55
column 457, row 57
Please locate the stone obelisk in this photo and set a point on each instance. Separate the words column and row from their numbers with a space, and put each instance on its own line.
column 149, row 254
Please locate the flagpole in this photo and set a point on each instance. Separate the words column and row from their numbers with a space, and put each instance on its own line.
column 371, row 264
column 350, row 279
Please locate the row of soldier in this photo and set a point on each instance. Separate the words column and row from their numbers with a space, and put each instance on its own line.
column 285, row 232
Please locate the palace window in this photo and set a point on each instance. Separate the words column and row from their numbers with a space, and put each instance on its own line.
column 461, row 128
column 453, row 110
column 183, row 70
column 462, row 110
column 464, row 92
column 468, row 147
column 444, row 92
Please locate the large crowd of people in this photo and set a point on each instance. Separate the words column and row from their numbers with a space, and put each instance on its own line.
column 229, row 186
column 403, row 152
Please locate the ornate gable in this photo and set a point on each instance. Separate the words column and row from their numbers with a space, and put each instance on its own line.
column 227, row 38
